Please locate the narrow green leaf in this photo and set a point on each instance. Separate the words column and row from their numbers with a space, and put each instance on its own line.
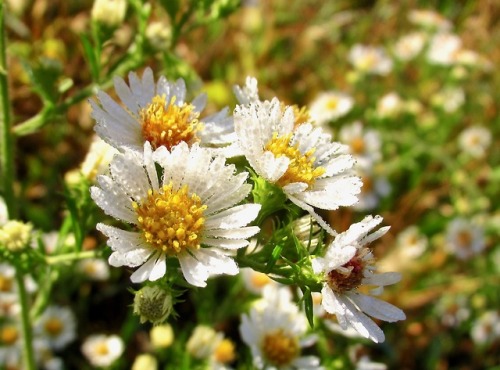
column 90, row 54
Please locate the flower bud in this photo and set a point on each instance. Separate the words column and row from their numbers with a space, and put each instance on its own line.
column 15, row 235
column 162, row 336
column 110, row 13
column 153, row 304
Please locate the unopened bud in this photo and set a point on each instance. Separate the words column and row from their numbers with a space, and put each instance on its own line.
column 153, row 304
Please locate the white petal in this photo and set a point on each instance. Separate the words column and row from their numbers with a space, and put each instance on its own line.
column 386, row 278
column 159, row 269
column 112, row 201
column 362, row 323
column 240, row 233
column 376, row 308
column 233, row 217
column 142, row 273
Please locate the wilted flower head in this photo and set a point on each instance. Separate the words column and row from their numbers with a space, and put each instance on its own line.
column 330, row 105
column 102, row 350
column 475, row 141
column 370, row 59
column 464, row 238
column 347, row 265
column 159, row 113
column 153, row 304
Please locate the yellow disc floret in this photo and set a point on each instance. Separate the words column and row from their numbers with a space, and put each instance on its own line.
column 280, row 348
column 53, row 326
column 171, row 220
column 168, row 124
column 301, row 167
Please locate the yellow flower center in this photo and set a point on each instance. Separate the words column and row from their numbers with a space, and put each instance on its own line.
column 464, row 238
column 357, row 145
column 301, row 167
column 168, row 124
column 368, row 185
column 301, row 114
column 367, row 62
column 53, row 326
column 171, row 220
column 5, row 284
column 259, row 279
column 102, row 348
column 8, row 335
column 224, row 353
column 332, row 103
column 280, row 348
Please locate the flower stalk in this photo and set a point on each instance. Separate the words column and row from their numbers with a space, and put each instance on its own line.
column 28, row 354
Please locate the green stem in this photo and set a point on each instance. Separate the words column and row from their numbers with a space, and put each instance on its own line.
column 6, row 138
column 28, row 354
column 68, row 257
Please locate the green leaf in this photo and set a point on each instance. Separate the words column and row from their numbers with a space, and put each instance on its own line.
column 172, row 7
column 76, row 223
column 308, row 305
column 44, row 76
column 275, row 255
column 91, row 55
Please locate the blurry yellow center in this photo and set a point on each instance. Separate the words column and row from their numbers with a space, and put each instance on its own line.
column 171, row 220
column 464, row 238
column 367, row 62
column 301, row 114
column 357, row 145
column 5, row 284
column 53, row 326
column 332, row 103
column 8, row 335
column 301, row 167
column 224, row 353
column 168, row 124
column 280, row 348
column 102, row 349
column 367, row 184
column 260, row 279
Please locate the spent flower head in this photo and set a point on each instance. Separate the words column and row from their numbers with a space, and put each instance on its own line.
column 346, row 266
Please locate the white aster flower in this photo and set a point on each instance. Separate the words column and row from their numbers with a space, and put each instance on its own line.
column 191, row 214
column 102, row 350
column 94, row 269
column 409, row 46
column 347, row 265
column 475, row 140
column 310, row 169
column 275, row 332
column 429, row 19
column 486, row 329
column 57, row 325
column 10, row 343
column 443, row 49
column 159, row 113
column 330, row 105
column 389, row 105
column 370, row 59
column 364, row 144
column 464, row 238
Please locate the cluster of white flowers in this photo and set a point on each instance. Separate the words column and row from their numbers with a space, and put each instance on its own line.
column 171, row 184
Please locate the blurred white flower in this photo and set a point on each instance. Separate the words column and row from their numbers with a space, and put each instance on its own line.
column 464, row 238
column 450, row 99
column 375, row 187
column 389, row 105
column 94, row 269
column 475, row 141
column 109, row 12
column 102, row 350
column 429, row 19
column 347, row 265
column 203, row 341
column 159, row 35
column 370, row 59
column 10, row 343
column 412, row 242
column 329, row 106
column 409, row 46
column 255, row 281
column 364, row 144
column 443, row 48
column 486, row 329
column 56, row 325
column 275, row 330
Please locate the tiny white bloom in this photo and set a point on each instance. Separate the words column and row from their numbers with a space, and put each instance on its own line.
column 159, row 113
column 102, row 350
column 486, row 329
column 449, row 99
column 429, row 19
column 302, row 160
column 94, row 269
column 389, row 105
column 364, row 144
column 475, row 140
column 370, row 59
column 409, row 46
column 347, row 265
column 443, row 49
column 464, row 238
column 190, row 213
column 412, row 242
column 275, row 331
column 57, row 325
column 330, row 105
